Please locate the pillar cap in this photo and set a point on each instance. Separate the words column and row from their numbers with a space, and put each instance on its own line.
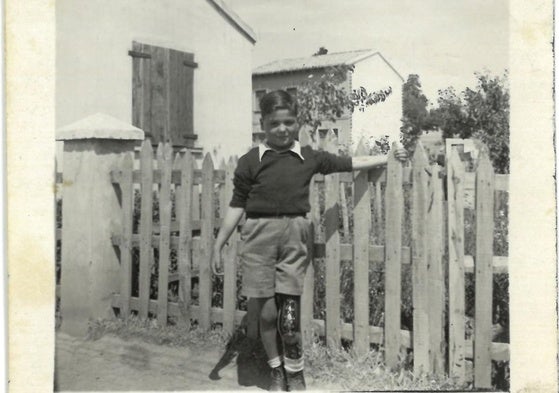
column 99, row 126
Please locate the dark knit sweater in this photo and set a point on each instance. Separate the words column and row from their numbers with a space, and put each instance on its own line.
column 279, row 184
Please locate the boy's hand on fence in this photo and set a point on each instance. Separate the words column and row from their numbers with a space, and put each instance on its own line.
column 401, row 153
column 216, row 262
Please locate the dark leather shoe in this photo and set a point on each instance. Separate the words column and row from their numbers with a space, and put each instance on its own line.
column 277, row 380
column 295, row 381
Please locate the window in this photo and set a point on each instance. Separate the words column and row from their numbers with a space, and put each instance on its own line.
column 258, row 94
column 258, row 138
column 162, row 94
column 323, row 132
column 322, row 137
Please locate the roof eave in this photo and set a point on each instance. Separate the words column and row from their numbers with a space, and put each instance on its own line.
column 391, row 66
column 347, row 63
column 352, row 61
column 234, row 19
column 291, row 71
column 361, row 57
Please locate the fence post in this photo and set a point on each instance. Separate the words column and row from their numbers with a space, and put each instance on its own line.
column 419, row 262
column 456, row 285
column 206, row 242
column 436, row 245
column 127, row 208
column 91, row 215
column 183, row 206
column 484, row 272
column 146, row 228
column 378, row 212
column 165, row 163
column 230, row 265
column 307, row 299
column 361, row 232
column 393, row 259
column 331, row 224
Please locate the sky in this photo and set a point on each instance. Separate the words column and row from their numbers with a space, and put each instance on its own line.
column 443, row 41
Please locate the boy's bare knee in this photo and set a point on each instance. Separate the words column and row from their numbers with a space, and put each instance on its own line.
column 268, row 312
column 268, row 318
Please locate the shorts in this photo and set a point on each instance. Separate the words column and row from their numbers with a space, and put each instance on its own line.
column 274, row 256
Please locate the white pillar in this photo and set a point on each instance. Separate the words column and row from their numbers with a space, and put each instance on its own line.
column 90, row 215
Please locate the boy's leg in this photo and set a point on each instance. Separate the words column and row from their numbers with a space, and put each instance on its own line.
column 268, row 326
column 290, row 274
column 268, row 335
column 289, row 326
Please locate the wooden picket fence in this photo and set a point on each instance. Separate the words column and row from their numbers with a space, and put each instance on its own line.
column 201, row 197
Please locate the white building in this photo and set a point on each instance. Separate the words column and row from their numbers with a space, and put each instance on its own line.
column 180, row 70
column 371, row 71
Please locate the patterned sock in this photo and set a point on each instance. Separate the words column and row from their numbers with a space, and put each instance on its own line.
column 275, row 362
column 293, row 365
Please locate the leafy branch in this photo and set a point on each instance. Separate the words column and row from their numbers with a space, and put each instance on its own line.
column 322, row 97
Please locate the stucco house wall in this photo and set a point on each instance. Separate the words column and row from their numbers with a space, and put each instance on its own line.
column 383, row 118
column 94, row 71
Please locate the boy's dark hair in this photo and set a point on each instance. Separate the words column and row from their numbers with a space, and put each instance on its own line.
column 277, row 99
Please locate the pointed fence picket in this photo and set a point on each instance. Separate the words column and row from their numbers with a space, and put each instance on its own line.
column 207, row 210
column 332, row 238
column 195, row 195
column 164, row 157
column 184, row 207
column 307, row 299
column 146, row 227
column 378, row 213
column 230, row 265
column 361, row 228
column 127, row 197
column 223, row 202
column 483, row 272
column 456, row 282
column 189, row 233
column 393, row 257
column 420, row 175
column 436, row 273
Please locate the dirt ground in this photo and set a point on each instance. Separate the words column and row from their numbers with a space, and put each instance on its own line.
column 113, row 364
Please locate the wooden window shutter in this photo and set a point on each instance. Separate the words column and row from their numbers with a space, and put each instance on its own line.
column 162, row 94
column 181, row 122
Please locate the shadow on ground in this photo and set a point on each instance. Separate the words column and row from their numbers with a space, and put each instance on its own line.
column 112, row 363
column 252, row 367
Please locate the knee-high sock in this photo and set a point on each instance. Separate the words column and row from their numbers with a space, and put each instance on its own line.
column 289, row 328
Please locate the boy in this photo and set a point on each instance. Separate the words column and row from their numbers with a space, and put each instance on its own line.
column 271, row 185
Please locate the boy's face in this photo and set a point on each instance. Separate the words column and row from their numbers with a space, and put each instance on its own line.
column 280, row 127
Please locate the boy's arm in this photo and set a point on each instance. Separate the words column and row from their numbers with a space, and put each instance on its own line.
column 367, row 162
column 230, row 222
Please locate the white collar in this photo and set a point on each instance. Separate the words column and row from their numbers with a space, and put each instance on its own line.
column 295, row 148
